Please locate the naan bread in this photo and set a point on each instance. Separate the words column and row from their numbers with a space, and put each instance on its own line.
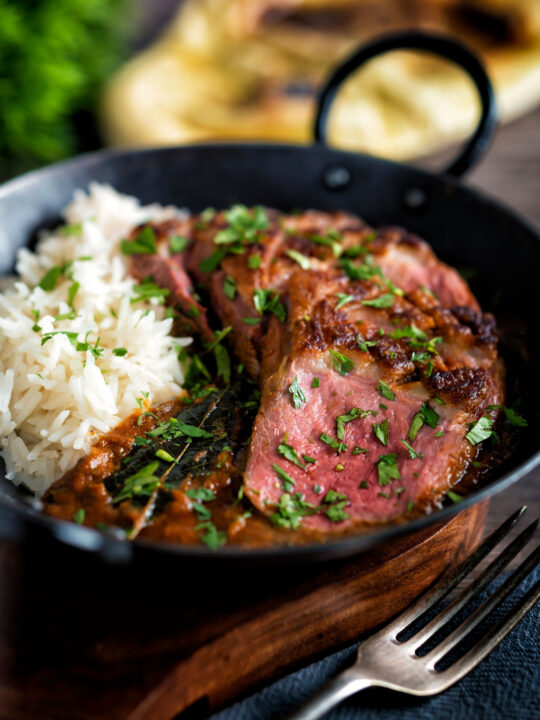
column 250, row 69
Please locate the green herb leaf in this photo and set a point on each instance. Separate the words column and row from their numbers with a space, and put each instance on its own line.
column 288, row 482
column 343, row 299
column 300, row 258
column 178, row 244
column 336, row 513
column 50, row 280
column 386, row 391
column 380, row 431
column 290, row 511
column 334, row 444
column 119, row 352
column 383, row 301
column 332, row 239
column 144, row 243
column 148, row 290
column 212, row 537
column 409, row 331
column 480, row 431
column 454, row 496
column 316, row 382
column 357, row 450
column 387, row 469
column 229, row 287
column 298, row 396
column 254, row 261
column 142, row 483
column 341, row 362
column 351, row 415
column 365, row 344
column 412, row 452
column 78, row 516
column 164, row 455
column 514, row 418
column 290, row 454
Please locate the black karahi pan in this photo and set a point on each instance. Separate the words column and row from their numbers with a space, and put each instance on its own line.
column 465, row 228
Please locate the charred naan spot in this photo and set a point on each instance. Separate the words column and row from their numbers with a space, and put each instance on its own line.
column 463, row 386
column 482, row 324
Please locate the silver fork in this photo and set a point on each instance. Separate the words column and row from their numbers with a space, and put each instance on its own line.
column 385, row 660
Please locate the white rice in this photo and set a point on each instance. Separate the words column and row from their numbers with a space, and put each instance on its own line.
column 56, row 400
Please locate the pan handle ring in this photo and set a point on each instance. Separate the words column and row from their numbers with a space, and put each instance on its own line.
column 441, row 45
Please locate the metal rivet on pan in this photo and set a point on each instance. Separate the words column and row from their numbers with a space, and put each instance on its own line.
column 414, row 198
column 336, row 178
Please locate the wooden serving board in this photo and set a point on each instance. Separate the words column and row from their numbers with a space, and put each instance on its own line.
column 82, row 641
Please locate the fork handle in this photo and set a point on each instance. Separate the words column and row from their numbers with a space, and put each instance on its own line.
column 341, row 687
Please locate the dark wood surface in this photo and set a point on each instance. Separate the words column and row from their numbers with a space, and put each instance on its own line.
column 81, row 640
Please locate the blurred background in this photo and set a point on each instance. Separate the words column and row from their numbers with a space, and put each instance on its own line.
column 76, row 75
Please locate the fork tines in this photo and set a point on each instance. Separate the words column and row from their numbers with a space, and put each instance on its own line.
column 428, row 641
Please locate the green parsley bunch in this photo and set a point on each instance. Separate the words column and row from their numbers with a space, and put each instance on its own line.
column 54, row 58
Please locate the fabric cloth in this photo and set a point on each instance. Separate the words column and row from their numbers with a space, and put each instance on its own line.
column 505, row 685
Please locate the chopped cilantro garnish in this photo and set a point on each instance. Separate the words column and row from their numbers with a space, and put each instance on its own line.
column 298, row 396
column 143, row 482
column 290, row 510
column 334, row 444
column 229, row 287
column 341, row 362
column 410, row 506
column 421, row 357
column 251, row 321
column 357, row 450
column 380, row 431
column 332, row 239
column 343, row 299
column 387, row 469
column 178, row 244
column 412, row 452
column 383, row 301
column 72, row 291
column 316, row 382
column 290, row 454
column 454, row 496
column 165, row 456
column 267, row 301
column 213, row 260
column 351, row 415
column 78, row 516
column 119, row 352
column 49, row 281
column 514, row 418
column 144, row 243
column 480, row 431
column 212, row 537
column 288, row 482
column 439, row 434
column 409, row 331
column 254, row 261
column 148, row 290
column 386, row 391
column 426, row 415
column 309, row 459
column 300, row 258
column 365, row 344
column 70, row 230
column 201, row 494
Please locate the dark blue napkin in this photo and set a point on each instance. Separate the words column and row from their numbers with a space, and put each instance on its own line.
column 505, row 685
